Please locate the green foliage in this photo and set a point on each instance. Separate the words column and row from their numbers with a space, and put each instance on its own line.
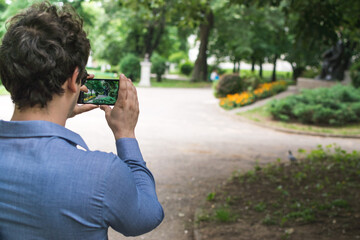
column 337, row 106
column 166, row 83
column 186, row 68
column 113, row 52
column 260, row 207
column 306, row 216
column 158, row 65
column 310, row 73
column 3, row 90
column 7, row 11
column 223, row 215
column 250, row 81
column 106, row 100
column 228, row 84
column 355, row 74
column 178, row 57
column 94, row 86
column 211, row 196
column 315, row 189
column 268, row 220
column 341, row 203
column 231, row 28
column 130, row 66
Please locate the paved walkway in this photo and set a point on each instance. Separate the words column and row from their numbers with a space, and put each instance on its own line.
column 191, row 146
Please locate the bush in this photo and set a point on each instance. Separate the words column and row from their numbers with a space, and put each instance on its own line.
column 228, row 84
column 250, row 81
column 355, row 74
column 337, row 106
column 186, row 68
column 310, row 72
column 106, row 100
column 158, row 66
column 130, row 66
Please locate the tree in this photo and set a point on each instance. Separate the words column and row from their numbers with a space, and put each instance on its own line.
column 136, row 27
column 231, row 35
column 319, row 21
column 200, row 68
column 10, row 10
column 146, row 21
column 94, row 86
column 198, row 14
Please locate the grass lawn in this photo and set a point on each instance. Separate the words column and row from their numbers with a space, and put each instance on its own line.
column 165, row 83
column 261, row 115
column 106, row 75
column 267, row 74
column 3, row 90
column 315, row 197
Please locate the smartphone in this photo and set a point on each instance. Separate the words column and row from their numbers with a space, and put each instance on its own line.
column 101, row 92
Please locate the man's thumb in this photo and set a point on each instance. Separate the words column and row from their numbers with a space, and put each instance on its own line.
column 105, row 108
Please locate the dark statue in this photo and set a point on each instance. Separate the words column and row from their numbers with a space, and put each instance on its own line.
column 335, row 62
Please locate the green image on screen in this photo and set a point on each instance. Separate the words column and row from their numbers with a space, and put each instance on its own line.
column 101, row 91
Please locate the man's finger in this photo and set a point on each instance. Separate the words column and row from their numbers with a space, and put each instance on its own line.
column 81, row 109
column 90, row 76
column 122, row 95
column 106, row 109
column 86, row 107
column 83, row 88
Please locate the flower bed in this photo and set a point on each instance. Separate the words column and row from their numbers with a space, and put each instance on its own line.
column 245, row 98
column 89, row 98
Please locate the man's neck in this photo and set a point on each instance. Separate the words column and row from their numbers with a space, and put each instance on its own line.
column 50, row 113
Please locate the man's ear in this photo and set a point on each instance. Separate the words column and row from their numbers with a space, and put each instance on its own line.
column 71, row 82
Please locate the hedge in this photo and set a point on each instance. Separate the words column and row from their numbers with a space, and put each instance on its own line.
column 335, row 106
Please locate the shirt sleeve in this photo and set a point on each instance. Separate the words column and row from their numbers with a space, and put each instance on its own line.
column 131, row 206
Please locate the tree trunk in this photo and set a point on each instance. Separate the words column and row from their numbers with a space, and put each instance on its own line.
column 261, row 70
column 297, row 71
column 234, row 68
column 200, row 68
column 252, row 64
column 155, row 31
column 273, row 78
column 238, row 68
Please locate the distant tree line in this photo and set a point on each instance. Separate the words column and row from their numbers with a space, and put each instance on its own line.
column 255, row 31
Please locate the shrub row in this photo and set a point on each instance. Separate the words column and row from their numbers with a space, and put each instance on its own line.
column 232, row 83
column 336, row 106
column 355, row 74
column 130, row 66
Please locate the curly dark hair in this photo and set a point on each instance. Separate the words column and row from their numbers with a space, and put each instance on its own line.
column 42, row 47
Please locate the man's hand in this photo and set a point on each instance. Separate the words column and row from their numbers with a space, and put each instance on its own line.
column 123, row 117
column 85, row 107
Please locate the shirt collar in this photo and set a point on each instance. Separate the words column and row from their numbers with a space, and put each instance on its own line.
column 27, row 129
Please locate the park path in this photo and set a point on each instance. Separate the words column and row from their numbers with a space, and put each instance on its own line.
column 191, row 146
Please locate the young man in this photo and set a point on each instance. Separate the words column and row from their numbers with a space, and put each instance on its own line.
column 51, row 185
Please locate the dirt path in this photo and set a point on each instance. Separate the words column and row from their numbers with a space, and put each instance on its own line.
column 191, row 145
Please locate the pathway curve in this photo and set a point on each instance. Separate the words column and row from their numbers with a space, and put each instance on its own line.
column 191, row 146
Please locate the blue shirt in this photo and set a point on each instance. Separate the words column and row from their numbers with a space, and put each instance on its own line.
column 53, row 187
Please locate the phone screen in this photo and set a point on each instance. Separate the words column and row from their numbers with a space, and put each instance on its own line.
column 101, row 92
